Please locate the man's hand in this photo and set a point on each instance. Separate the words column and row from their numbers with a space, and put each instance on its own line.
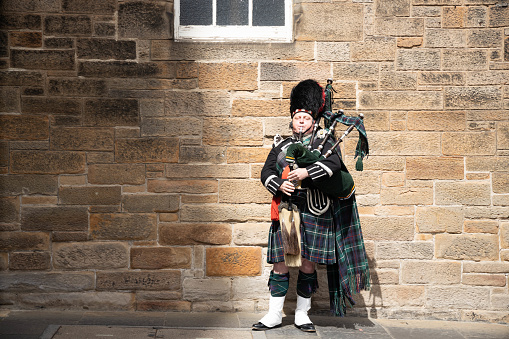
column 287, row 187
column 298, row 174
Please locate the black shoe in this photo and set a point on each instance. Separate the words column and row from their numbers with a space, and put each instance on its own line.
column 262, row 327
column 306, row 327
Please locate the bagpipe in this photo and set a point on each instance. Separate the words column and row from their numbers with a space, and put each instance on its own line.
column 340, row 184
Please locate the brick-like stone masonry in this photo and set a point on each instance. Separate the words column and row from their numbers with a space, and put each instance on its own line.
column 130, row 162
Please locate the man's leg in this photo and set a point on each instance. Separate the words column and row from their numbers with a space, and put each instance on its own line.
column 306, row 284
column 278, row 285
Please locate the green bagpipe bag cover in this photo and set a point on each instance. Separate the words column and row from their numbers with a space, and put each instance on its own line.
column 340, row 185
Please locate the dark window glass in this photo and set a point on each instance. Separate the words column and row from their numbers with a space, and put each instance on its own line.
column 268, row 12
column 196, row 12
column 232, row 12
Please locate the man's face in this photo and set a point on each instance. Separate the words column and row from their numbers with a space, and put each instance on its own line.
column 302, row 121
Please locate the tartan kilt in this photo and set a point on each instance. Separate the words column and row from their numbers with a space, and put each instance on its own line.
column 318, row 233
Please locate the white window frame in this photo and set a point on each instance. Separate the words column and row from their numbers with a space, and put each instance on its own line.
column 234, row 33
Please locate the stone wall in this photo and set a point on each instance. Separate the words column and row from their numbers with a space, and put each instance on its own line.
column 130, row 162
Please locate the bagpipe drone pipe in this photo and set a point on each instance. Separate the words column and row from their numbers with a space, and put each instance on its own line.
column 340, row 184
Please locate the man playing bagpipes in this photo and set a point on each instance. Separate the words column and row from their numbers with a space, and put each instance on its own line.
column 312, row 224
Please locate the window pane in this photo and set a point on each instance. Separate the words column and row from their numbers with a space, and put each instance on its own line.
column 268, row 12
column 232, row 12
column 196, row 12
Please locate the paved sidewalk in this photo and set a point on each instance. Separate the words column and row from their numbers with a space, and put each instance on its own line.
column 125, row 325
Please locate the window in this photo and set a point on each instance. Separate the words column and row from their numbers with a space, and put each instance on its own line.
column 221, row 20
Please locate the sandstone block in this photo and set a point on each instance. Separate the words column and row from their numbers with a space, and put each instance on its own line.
column 90, row 195
column 498, row 16
column 103, row 7
column 93, row 301
column 26, row 39
column 472, row 143
column 126, row 69
column 182, row 186
column 486, row 212
column 146, row 150
column 229, row 76
column 246, row 154
column 403, row 296
column 487, row 77
column 147, row 280
column 464, row 60
column 243, row 192
column 422, row 59
column 10, row 99
column 406, row 196
column 47, row 282
column 25, row 184
column 150, row 202
column 486, row 164
column 439, row 219
column 210, row 103
column 503, row 135
column 399, row 26
column 408, row 143
column 24, row 127
column 224, row 213
column 206, row 289
column 441, row 78
column 116, row 174
column 163, row 305
column 233, row 261
column 481, row 226
column 458, row 297
column 500, row 182
column 170, row 127
column 431, row 273
column 82, row 138
column 392, row 8
column 59, row 43
column 393, row 179
column 111, row 112
column 484, row 38
column 12, row 21
column 504, row 235
column 250, row 234
column 485, row 267
column 186, row 171
column 419, row 100
column 436, row 121
column 409, row 42
column 81, row 255
column 465, row 193
column 38, row 105
column 105, row 49
column 445, row 38
column 333, row 51
column 398, row 81
column 76, row 87
column 138, row 19
column 67, row 25
column 281, row 71
column 69, row 236
column 404, row 250
column 346, row 21
column 454, row 17
column 356, row 71
column 273, row 126
column 434, row 168
column 29, row 261
column 195, row 234
column 374, row 49
column 232, row 131
column 259, row 108
column 466, row 246
column 54, row 218
column 123, row 226
column 155, row 258
column 484, row 280
column 9, row 207
column 24, row 241
column 42, row 59
column 387, row 228
column 437, row 2
column 366, row 182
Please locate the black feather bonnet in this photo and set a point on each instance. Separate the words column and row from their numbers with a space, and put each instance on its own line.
column 308, row 95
